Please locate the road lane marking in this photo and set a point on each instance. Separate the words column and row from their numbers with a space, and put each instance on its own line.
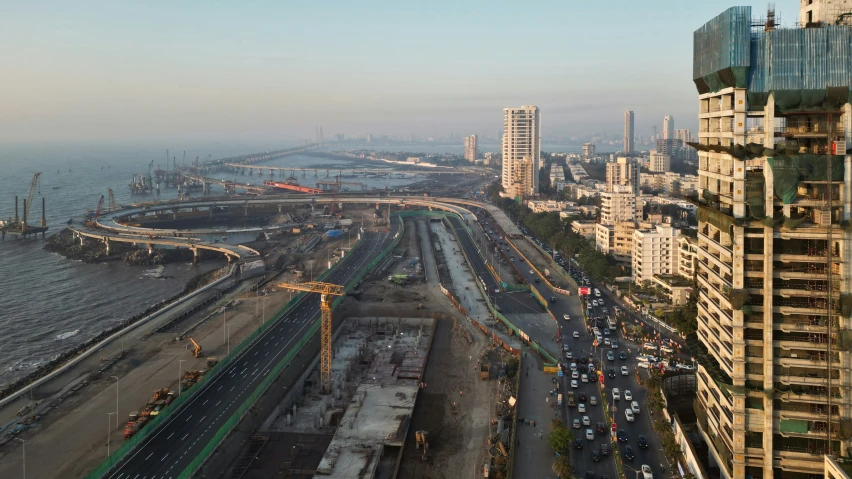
column 170, row 436
column 190, row 417
column 149, row 455
column 184, row 437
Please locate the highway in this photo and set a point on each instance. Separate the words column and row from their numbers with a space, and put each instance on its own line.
column 168, row 451
column 519, row 302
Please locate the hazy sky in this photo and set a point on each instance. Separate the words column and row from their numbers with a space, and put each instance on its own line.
column 111, row 70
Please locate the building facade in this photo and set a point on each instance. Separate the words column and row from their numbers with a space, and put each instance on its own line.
column 588, row 151
column 774, row 259
column 470, row 148
column 655, row 252
column 687, row 256
column 628, row 132
column 521, row 151
column 668, row 127
column 660, row 162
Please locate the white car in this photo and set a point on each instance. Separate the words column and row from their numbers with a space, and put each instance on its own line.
column 646, row 470
column 581, row 407
column 629, row 415
column 590, row 435
column 566, row 317
column 634, row 406
column 627, row 395
column 569, row 355
column 532, row 272
column 587, row 421
column 606, row 341
column 574, row 384
column 575, row 374
column 616, row 394
column 644, row 364
column 584, row 378
column 576, row 334
column 594, row 302
column 624, row 371
column 576, row 423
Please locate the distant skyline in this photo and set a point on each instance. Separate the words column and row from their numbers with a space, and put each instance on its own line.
column 264, row 70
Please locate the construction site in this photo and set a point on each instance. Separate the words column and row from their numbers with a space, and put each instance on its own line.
column 20, row 226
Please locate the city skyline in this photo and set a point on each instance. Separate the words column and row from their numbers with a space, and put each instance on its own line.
column 121, row 72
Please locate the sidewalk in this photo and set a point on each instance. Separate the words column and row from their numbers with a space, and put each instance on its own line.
column 534, row 457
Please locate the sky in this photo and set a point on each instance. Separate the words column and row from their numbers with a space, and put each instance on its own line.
column 268, row 70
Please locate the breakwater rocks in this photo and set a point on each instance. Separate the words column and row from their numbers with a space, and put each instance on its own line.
column 191, row 285
column 94, row 251
column 66, row 245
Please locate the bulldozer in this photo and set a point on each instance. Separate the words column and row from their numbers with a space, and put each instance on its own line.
column 197, row 351
column 422, row 437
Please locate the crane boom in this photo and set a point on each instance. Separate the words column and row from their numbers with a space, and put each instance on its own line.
column 33, row 187
column 112, row 206
column 100, row 207
column 327, row 291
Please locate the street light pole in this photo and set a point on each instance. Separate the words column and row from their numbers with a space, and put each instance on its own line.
column 180, row 373
column 109, row 427
column 116, row 399
column 224, row 335
column 24, row 447
column 228, row 328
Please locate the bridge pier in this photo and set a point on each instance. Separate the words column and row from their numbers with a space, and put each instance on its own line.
column 81, row 239
column 106, row 242
column 194, row 255
column 150, row 250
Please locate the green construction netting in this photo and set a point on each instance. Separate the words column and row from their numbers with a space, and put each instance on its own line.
column 746, row 309
column 770, row 222
column 844, row 339
column 718, row 219
column 846, row 304
column 738, row 297
column 792, row 223
column 788, row 171
column 828, row 99
column 793, row 425
column 845, row 428
column 755, row 196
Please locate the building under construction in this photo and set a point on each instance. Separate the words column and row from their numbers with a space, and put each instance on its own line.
column 774, row 250
column 21, row 225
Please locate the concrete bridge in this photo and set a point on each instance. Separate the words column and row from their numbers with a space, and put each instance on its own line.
column 112, row 226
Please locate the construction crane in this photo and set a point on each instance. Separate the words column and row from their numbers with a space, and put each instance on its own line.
column 112, row 206
column 196, row 348
column 327, row 292
column 100, row 208
column 29, row 203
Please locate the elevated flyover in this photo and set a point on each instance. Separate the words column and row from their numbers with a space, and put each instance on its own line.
column 119, row 226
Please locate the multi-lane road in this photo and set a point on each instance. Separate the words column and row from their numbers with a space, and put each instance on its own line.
column 169, row 450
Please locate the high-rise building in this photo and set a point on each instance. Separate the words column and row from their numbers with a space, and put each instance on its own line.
column 588, row 150
column 660, row 162
column 655, row 251
column 470, row 151
column 827, row 12
column 668, row 127
column 684, row 135
column 521, row 151
column 619, row 209
column 774, row 275
column 628, row 131
column 622, row 172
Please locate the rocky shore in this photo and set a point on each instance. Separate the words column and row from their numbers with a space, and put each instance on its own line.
column 93, row 251
column 191, row 285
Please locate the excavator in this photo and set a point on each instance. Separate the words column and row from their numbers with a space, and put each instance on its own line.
column 196, row 349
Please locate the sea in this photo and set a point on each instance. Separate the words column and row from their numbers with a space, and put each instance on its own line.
column 49, row 304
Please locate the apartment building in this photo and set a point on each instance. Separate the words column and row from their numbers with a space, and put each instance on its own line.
column 655, row 252
column 660, row 162
column 521, row 151
column 588, row 151
column 774, row 259
column 687, row 256
column 470, row 148
column 619, row 209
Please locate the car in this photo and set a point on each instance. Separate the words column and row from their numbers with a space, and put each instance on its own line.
column 685, row 367
column 597, row 292
column 587, row 421
column 624, row 371
column 604, row 310
column 591, row 369
column 628, row 396
column 596, row 456
column 621, row 435
column 566, row 347
column 594, row 302
column 566, row 317
column 576, row 334
column 616, row 394
column 593, row 401
column 628, row 414
column 611, row 372
column 628, row 453
column 644, row 364
column 553, row 299
column 588, row 305
column 584, row 360
column 622, row 355
column 590, row 435
column 607, row 343
column 600, row 428
column 574, row 384
column 646, row 472
column 584, row 378
column 576, row 423
column 610, row 356
column 569, row 355
column 667, row 349
column 582, row 397
column 643, row 443
column 590, row 475
column 634, row 406
column 578, row 444
column 605, row 450
column 538, row 280
column 573, row 366
column 614, row 344
column 575, row 374
column 581, row 407
column 532, row 272
column 606, row 332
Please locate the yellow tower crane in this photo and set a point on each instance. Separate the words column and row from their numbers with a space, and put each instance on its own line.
column 327, row 292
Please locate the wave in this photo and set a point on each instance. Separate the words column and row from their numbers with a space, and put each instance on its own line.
column 60, row 337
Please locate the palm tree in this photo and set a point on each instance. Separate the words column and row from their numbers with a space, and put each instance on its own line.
column 563, row 468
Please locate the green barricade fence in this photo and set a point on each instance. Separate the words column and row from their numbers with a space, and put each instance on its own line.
column 517, row 287
column 538, row 297
column 226, row 428
column 143, row 433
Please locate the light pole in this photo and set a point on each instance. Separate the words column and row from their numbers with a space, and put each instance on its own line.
column 224, row 334
column 109, row 427
column 116, row 399
column 228, row 329
column 180, row 373
column 263, row 309
column 24, row 447
column 257, row 300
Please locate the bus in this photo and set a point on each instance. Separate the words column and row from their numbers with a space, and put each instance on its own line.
column 610, row 322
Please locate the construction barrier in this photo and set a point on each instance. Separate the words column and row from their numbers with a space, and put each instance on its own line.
column 551, row 369
column 538, row 297
column 510, row 288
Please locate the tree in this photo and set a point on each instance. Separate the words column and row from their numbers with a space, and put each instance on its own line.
column 562, row 467
column 560, row 440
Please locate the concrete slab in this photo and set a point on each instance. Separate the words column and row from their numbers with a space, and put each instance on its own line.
column 463, row 279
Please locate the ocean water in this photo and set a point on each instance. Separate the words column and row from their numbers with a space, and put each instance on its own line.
column 49, row 304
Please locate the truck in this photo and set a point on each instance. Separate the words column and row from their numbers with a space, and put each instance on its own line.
column 571, row 402
column 483, row 371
